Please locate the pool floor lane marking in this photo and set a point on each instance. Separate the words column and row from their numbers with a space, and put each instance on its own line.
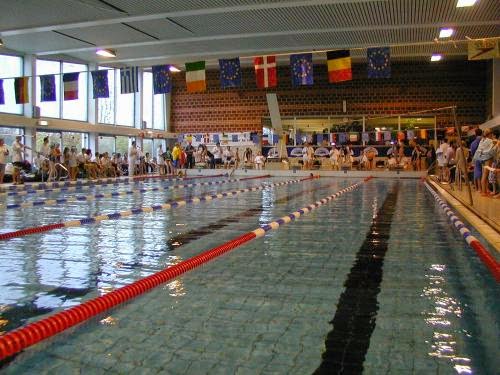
column 15, row 341
column 139, row 210
column 354, row 321
column 482, row 252
column 91, row 197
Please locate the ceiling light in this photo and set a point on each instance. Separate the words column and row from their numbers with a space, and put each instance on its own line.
column 174, row 69
column 446, row 33
column 436, row 57
column 1, row 42
column 465, row 3
column 106, row 52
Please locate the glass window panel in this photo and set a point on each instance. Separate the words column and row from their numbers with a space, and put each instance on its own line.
column 122, row 143
column 9, row 136
column 106, row 144
column 54, row 137
column 76, row 109
column 147, row 104
column 159, row 112
column 106, row 106
column 48, row 109
column 124, row 105
column 147, row 146
column 10, row 67
column 73, row 139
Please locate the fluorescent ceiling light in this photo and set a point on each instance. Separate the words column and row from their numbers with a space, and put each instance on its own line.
column 446, row 33
column 174, row 69
column 436, row 57
column 465, row 3
column 106, row 52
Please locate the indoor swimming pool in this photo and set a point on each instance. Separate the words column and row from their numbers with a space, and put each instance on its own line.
column 374, row 281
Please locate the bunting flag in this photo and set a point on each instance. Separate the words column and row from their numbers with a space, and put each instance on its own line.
column 100, row 84
column 48, row 88
column 129, row 81
column 319, row 139
column 333, row 138
column 379, row 62
column 2, row 95
column 230, row 72
column 70, row 81
column 387, row 136
column 195, row 76
column 365, row 137
column 21, row 90
column 339, row 66
column 379, row 136
column 265, row 71
column 234, row 138
column 198, row 137
column 302, row 69
column 423, row 133
column 215, row 138
column 410, row 134
column 342, row 138
column 162, row 79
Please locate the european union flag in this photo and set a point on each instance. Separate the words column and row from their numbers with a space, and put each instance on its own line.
column 230, row 72
column 234, row 138
column 100, row 84
column 302, row 69
column 379, row 62
column 2, row 95
column 48, row 88
column 162, row 79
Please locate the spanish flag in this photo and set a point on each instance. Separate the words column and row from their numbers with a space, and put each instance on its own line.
column 21, row 90
column 339, row 66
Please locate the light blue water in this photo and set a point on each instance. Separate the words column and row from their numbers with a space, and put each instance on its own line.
column 266, row 306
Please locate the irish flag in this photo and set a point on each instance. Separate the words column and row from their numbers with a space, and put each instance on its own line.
column 195, row 76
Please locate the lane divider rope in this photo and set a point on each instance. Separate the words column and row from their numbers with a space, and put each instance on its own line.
column 136, row 211
column 86, row 198
column 93, row 183
column 22, row 338
column 488, row 260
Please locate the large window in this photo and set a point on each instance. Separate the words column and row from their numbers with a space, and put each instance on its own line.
column 122, row 144
column 147, row 146
column 54, row 138
column 118, row 108
column 43, row 67
column 73, row 139
column 76, row 109
column 9, row 136
column 153, row 111
column 10, row 67
column 106, row 144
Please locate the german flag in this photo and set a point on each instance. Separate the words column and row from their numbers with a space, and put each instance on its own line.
column 339, row 66
column 21, row 90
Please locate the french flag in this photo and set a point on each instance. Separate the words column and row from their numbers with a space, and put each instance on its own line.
column 265, row 71
column 70, row 81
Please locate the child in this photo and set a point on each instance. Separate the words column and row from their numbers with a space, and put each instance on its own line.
column 259, row 160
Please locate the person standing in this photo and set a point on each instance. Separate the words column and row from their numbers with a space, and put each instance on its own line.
column 160, row 160
column 189, row 155
column 17, row 159
column 4, row 152
column 132, row 156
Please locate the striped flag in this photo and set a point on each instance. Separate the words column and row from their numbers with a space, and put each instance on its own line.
column 339, row 66
column 2, row 95
column 21, row 90
column 48, row 88
column 265, row 71
column 129, row 80
column 70, row 81
column 195, row 76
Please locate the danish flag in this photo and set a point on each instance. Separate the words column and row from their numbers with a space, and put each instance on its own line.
column 265, row 71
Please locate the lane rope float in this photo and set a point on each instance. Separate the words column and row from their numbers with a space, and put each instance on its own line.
column 22, row 338
column 484, row 255
column 86, row 198
column 90, row 184
column 136, row 211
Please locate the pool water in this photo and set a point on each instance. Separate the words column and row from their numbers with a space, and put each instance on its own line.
column 376, row 281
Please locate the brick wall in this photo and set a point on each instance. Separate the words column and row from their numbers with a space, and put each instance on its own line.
column 413, row 87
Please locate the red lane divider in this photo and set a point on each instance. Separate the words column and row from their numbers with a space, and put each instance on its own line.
column 26, row 231
column 490, row 262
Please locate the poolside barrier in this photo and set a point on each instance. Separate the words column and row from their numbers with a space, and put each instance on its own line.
column 86, row 198
column 13, row 342
column 135, row 211
column 488, row 260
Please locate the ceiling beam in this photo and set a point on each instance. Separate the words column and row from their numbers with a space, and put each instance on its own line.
column 182, row 13
column 270, row 34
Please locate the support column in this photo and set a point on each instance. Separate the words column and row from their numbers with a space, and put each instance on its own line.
column 168, row 112
column 30, row 71
column 92, row 110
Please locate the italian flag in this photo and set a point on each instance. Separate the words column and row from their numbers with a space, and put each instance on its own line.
column 195, row 76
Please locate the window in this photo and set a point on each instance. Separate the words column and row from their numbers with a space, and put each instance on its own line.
column 122, row 143
column 54, row 138
column 124, row 105
column 106, row 144
column 147, row 146
column 43, row 67
column 71, row 139
column 76, row 109
column 153, row 111
column 118, row 108
column 10, row 67
column 9, row 136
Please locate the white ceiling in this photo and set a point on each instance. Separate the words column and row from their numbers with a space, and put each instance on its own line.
column 150, row 32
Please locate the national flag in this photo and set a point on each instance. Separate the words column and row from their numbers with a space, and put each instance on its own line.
column 410, row 134
column 302, row 69
column 48, row 88
column 2, row 95
column 215, row 138
column 230, row 72
column 70, row 81
column 387, row 136
column 342, row 138
column 100, row 84
column 365, row 137
column 234, row 138
column 379, row 136
column 195, row 76
column 162, row 79
column 129, row 81
column 339, row 66
column 21, row 90
column 379, row 62
column 265, row 71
